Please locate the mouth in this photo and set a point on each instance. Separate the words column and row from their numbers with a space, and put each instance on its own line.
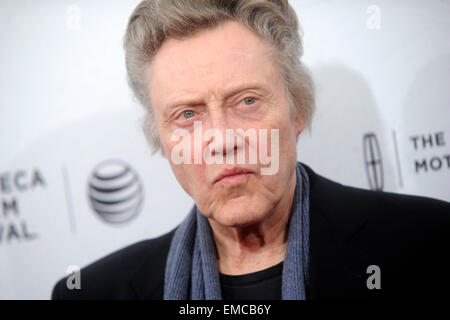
column 233, row 175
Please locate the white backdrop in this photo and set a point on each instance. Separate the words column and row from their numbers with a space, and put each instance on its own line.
column 381, row 68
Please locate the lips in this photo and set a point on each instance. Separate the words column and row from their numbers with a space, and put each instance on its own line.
column 233, row 174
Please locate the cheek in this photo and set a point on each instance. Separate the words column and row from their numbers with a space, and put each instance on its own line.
column 284, row 147
column 191, row 178
column 289, row 133
column 288, row 128
column 286, row 132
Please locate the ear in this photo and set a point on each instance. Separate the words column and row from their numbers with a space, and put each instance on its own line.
column 299, row 124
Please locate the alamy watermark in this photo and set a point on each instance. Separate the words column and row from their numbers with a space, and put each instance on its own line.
column 74, row 279
column 374, row 280
column 73, row 20
column 373, row 21
column 229, row 149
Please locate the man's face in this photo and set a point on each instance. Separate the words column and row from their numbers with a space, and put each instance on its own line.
column 225, row 78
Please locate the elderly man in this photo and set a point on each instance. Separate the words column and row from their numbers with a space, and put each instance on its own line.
column 226, row 98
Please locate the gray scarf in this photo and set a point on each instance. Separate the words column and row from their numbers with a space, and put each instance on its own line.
column 191, row 269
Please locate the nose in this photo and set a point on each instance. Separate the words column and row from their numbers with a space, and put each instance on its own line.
column 221, row 137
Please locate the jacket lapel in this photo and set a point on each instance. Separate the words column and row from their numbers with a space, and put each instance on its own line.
column 337, row 269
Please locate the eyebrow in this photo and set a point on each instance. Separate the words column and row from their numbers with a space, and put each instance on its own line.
column 226, row 95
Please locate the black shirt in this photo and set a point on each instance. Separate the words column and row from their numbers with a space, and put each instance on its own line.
column 260, row 285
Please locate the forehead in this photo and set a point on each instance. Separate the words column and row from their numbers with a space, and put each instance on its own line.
column 210, row 61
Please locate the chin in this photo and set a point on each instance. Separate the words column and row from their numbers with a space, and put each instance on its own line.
column 240, row 214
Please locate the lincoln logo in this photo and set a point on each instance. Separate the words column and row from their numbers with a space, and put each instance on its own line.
column 115, row 192
column 372, row 159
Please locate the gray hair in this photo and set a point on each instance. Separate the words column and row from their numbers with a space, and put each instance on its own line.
column 154, row 21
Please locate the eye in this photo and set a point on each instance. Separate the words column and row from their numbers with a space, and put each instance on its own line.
column 188, row 114
column 249, row 101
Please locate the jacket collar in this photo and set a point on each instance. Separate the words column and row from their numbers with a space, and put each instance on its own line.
column 333, row 203
column 336, row 268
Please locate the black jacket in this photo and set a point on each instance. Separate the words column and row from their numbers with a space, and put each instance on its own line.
column 407, row 237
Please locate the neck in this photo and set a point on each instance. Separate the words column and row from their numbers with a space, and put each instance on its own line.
column 258, row 246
